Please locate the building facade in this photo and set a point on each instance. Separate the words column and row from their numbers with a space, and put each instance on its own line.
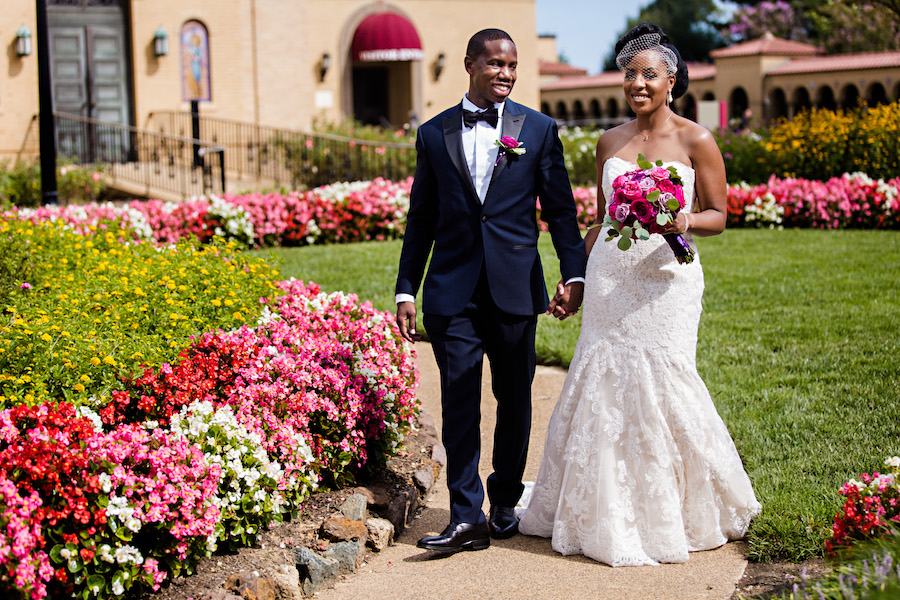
column 282, row 63
column 751, row 83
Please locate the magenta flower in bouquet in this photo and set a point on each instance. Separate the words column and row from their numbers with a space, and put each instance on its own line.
column 645, row 201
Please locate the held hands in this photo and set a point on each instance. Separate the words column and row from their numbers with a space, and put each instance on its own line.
column 406, row 320
column 567, row 299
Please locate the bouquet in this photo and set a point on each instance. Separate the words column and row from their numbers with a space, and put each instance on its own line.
column 645, row 201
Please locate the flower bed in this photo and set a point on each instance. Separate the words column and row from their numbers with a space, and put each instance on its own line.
column 871, row 508
column 341, row 212
column 853, row 200
column 133, row 442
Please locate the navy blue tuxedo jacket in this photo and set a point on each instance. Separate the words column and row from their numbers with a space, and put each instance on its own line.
column 446, row 218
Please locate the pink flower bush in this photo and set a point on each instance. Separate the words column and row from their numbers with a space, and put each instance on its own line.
column 871, row 508
column 342, row 212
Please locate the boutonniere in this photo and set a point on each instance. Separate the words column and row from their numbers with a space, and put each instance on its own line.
column 509, row 144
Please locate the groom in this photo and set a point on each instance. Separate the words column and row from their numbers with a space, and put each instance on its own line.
column 472, row 205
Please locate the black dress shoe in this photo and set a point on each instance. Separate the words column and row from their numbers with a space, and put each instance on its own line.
column 457, row 537
column 503, row 522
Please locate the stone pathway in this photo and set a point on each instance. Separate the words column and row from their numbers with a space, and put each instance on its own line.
column 522, row 567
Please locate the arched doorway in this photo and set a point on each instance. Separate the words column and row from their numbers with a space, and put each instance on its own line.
column 849, row 97
column 897, row 91
column 800, row 100
column 612, row 108
column 826, row 99
column 384, row 51
column 778, row 107
column 687, row 106
column 562, row 113
column 737, row 103
column 578, row 113
column 545, row 108
column 876, row 94
column 595, row 109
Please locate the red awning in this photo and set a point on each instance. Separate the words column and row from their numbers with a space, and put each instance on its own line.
column 386, row 36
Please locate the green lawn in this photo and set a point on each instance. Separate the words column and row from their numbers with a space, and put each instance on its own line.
column 798, row 344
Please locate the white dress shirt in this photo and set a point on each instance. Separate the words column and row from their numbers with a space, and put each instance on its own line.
column 481, row 155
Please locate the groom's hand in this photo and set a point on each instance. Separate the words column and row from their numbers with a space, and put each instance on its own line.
column 567, row 300
column 406, row 320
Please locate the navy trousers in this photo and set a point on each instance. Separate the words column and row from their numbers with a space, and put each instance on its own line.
column 460, row 343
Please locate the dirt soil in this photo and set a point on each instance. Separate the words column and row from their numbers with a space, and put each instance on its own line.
column 273, row 549
column 764, row 580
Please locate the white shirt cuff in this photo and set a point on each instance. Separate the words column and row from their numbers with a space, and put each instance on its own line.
column 575, row 279
column 404, row 298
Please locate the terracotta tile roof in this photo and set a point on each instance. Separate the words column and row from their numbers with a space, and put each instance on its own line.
column 768, row 44
column 839, row 62
column 585, row 81
column 700, row 71
column 697, row 72
column 560, row 68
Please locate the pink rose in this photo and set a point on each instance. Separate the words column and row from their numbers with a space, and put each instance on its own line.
column 666, row 186
column 621, row 212
column 632, row 190
column 647, row 184
column 659, row 173
column 509, row 142
column 643, row 211
column 618, row 182
column 679, row 195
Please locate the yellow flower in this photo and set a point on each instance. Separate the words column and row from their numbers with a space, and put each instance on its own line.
column 78, row 388
column 109, row 360
column 237, row 316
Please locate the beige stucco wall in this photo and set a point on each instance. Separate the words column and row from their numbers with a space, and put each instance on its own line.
column 18, row 79
column 265, row 54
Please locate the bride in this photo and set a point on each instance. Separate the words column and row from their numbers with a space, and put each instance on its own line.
column 638, row 467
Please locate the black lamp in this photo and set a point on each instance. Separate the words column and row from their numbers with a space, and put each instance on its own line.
column 439, row 65
column 324, row 64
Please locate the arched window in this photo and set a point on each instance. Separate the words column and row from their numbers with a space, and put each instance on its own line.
column 595, row 109
column 545, row 108
column 825, row 98
column 800, row 100
column 897, row 91
column 195, row 84
column 876, row 94
column 850, row 96
column 778, row 107
column 562, row 113
column 708, row 96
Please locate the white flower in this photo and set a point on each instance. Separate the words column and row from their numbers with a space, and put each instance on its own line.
column 117, row 588
column 893, row 461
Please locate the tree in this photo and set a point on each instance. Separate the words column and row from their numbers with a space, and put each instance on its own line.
column 692, row 27
column 837, row 26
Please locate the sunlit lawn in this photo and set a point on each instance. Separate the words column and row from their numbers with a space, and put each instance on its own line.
column 798, row 346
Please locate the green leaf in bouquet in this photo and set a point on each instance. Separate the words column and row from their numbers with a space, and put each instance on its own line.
column 626, row 231
column 659, row 162
column 672, row 204
column 641, row 233
column 624, row 243
column 653, row 196
column 662, row 218
column 612, row 237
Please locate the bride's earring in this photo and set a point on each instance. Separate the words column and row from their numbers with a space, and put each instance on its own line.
column 669, row 98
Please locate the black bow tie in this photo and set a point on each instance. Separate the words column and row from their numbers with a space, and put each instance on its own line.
column 489, row 116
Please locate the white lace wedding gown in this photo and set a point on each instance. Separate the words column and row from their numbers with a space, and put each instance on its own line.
column 638, row 467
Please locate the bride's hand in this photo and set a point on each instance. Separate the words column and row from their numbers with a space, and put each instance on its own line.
column 681, row 225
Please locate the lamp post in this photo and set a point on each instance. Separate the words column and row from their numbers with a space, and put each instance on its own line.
column 23, row 42
column 49, row 190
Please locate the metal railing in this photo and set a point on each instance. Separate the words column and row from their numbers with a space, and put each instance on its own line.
column 157, row 161
column 287, row 157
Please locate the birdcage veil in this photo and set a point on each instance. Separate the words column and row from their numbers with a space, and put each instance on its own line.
column 647, row 42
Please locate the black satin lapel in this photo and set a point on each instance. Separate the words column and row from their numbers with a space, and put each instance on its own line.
column 453, row 142
column 512, row 127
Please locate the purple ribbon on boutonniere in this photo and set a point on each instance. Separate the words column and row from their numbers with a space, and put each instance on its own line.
column 508, row 144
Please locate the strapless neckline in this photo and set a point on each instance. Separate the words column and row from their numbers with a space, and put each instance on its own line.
column 665, row 162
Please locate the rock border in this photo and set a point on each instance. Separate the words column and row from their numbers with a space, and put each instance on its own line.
column 332, row 546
